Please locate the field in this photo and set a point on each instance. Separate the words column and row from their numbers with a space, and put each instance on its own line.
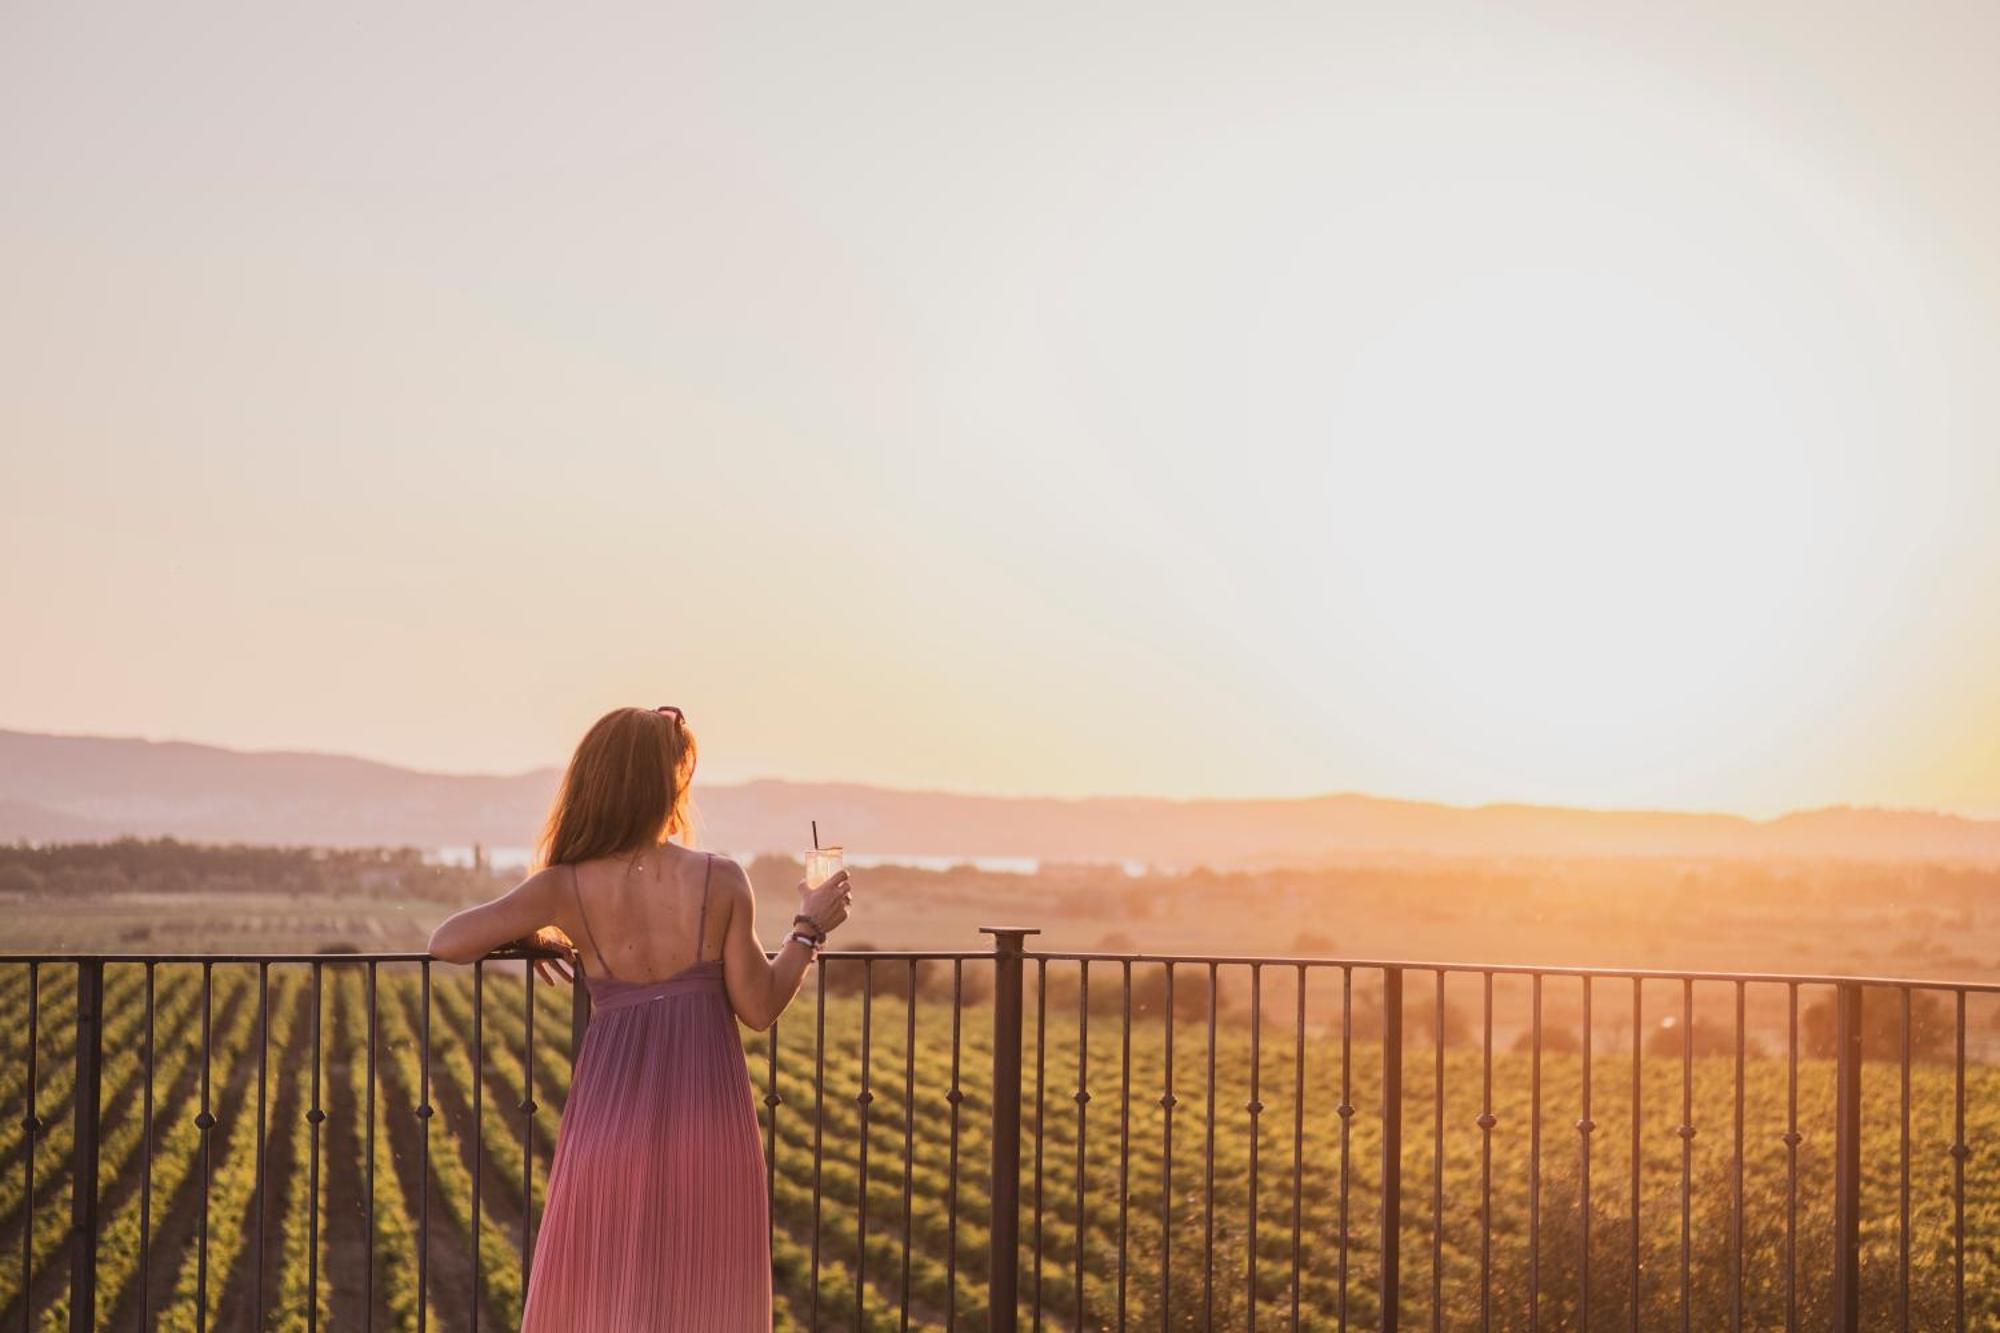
column 1933, row 921
column 306, row 1236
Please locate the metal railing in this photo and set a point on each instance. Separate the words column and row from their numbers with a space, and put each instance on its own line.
column 1049, row 1254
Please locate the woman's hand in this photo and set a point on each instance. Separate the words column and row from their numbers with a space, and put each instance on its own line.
column 827, row 905
column 549, row 969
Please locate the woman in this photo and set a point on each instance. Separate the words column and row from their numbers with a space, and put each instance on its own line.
column 657, row 1212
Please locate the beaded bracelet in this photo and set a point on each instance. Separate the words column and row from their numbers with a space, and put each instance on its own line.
column 811, row 927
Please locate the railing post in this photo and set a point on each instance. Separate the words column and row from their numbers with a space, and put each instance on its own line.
column 1392, row 1145
column 1847, row 1158
column 83, row 1163
column 1003, row 1263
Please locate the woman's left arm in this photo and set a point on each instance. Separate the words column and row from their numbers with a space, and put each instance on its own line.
column 518, row 915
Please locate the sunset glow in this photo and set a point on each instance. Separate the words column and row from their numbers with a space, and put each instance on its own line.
column 1599, row 413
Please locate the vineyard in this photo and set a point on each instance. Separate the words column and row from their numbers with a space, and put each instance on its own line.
column 349, row 1142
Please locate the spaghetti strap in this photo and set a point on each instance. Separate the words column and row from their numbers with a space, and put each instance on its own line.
column 584, row 916
column 701, row 925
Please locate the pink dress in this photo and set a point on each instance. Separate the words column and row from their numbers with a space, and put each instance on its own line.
column 657, row 1211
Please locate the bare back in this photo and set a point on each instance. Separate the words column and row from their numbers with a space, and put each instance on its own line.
column 645, row 918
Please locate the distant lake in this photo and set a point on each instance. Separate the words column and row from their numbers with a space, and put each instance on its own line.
column 520, row 858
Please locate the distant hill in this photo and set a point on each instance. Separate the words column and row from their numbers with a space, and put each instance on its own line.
column 66, row 788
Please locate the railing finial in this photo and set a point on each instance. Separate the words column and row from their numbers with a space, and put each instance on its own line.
column 1009, row 939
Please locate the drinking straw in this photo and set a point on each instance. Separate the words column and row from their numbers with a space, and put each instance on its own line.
column 815, row 825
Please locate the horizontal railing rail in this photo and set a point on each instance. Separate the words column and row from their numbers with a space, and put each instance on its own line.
column 211, row 1140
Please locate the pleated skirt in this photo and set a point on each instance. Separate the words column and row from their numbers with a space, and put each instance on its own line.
column 657, row 1211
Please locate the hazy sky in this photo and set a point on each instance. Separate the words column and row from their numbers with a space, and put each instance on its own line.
column 1588, row 403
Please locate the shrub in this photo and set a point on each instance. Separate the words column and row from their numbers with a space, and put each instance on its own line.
column 1932, row 1027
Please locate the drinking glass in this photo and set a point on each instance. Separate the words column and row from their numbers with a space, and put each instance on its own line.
column 822, row 864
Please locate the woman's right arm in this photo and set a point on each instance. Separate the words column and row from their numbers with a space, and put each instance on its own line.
column 761, row 988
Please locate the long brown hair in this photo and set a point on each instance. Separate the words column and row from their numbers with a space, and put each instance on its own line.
column 626, row 788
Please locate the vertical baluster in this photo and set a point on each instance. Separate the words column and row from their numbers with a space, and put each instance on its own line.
column 953, row 1098
column 1124, row 1127
column 146, row 1170
column 1638, row 1147
column 819, row 1128
column 423, row 1111
column 1346, row 1113
column 864, row 1099
column 1082, row 1098
column 86, row 1100
column 1686, row 1132
column 368, row 1166
column 205, row 1122
column 1486, row 1122
column 579, row 1012
column 1903, row 1177
column 1167, row 1104
column 1792, row 1141
column 909, row 1125
column 478, row 1124
column 1585, row 1127
column 31, row 1127
column 263, row 1129
column 1437, row 1158
column 1298, row 1138
column 1535, row 1152
column 773, row 1099
column 1041, row 1113
column 1392, row 1149
column 316, row 1116
column 1960, row 1150
column 1255, row 1106
column 1208, row 1170
column 1737, row 1222
column 527, row 1109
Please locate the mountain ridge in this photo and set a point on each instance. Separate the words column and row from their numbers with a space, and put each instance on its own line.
column 66, row 787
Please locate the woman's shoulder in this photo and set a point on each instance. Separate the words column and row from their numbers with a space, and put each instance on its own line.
column 726, row 874
column 544, row 887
